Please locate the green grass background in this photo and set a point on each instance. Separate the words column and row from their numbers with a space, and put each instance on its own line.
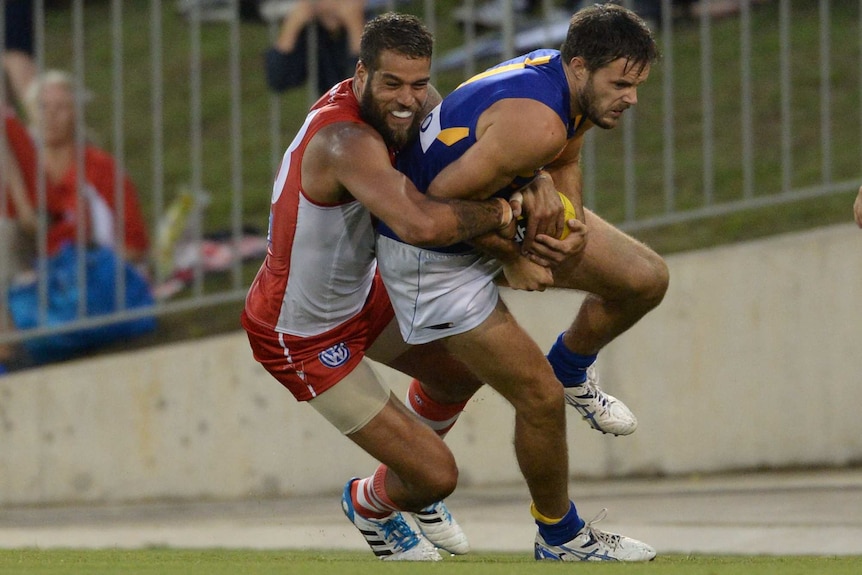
column 257, row 168
column 215, row 562
column 258, row 155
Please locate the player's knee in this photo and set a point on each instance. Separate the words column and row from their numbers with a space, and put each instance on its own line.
column 651, row 280
column 541, row 402
column 440, row 479
column 659, row 279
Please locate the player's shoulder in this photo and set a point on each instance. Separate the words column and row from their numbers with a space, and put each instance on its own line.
column 339, row 124
column 350, row 133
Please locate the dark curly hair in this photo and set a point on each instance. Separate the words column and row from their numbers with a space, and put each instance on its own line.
column 603, row 33
column 400, row 33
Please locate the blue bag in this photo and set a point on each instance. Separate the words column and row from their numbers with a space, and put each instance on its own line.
column 63, row 300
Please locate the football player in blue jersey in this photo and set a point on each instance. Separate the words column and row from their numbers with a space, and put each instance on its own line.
column 521, row 120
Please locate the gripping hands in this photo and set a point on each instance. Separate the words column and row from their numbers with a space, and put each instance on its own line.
column 551, row 235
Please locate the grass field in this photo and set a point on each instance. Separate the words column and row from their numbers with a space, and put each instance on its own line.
column 214, row 562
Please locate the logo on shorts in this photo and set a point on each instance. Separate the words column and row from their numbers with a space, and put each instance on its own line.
column 334, row 356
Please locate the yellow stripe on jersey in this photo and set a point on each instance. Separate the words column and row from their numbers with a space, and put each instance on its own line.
column 509, row 68
column 451, row 135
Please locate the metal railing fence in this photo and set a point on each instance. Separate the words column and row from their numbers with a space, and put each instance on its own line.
column 758, row 108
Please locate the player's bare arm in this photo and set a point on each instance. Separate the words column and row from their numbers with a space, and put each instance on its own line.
column 565, row 171
column 351, row 160
column 543, row 203
column 546, row 214
column 529, row 270
column 513, row 137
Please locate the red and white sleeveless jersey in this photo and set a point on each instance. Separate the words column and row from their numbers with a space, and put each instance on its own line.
column 320, row 261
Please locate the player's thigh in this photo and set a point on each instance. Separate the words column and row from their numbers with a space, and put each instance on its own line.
column 505, row 357
column 354, row 401
column 613, row 263
column 388, row 345
column 364, row 410
column 444, row 376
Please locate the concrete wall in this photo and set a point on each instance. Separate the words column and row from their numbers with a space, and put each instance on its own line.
column 751, row 361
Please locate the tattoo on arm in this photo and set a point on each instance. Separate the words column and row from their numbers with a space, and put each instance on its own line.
column 476, row 218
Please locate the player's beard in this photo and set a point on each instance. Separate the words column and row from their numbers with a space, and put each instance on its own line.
column 376, row 116
column 587, row 103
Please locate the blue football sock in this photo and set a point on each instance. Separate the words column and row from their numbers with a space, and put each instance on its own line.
column 569, row 367
column 563, row 530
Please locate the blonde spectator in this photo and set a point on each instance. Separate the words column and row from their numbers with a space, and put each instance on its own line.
column 52, row 95
column 74, row 202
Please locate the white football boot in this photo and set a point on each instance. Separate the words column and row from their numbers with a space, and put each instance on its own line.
column 601, row 410
column 440, row 528
column 591, row 544
column 390, row 538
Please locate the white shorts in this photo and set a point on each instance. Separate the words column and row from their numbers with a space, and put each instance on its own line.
column 436, row 295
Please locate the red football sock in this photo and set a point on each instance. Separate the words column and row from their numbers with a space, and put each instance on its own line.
column 438, row 416
column 369, row 496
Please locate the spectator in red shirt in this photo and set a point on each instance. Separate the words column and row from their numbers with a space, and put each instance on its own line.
column 106, row 212
column 53, row 96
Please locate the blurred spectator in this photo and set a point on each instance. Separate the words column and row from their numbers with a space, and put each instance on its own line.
column 18, row 64
column 339, row 25
column 219, row 10
column 52, row 96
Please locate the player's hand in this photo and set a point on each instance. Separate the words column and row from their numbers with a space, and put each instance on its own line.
column 857, row 208
column 551, row 252
column 516, row 202
column 523, row 274
column 543, row 209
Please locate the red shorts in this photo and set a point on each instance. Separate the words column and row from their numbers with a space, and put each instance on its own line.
column 308, row 366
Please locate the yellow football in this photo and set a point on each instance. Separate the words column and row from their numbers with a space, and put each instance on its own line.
column 570, row 213
column 521, row 228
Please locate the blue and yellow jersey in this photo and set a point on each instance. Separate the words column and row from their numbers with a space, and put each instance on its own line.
column 450, row 128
